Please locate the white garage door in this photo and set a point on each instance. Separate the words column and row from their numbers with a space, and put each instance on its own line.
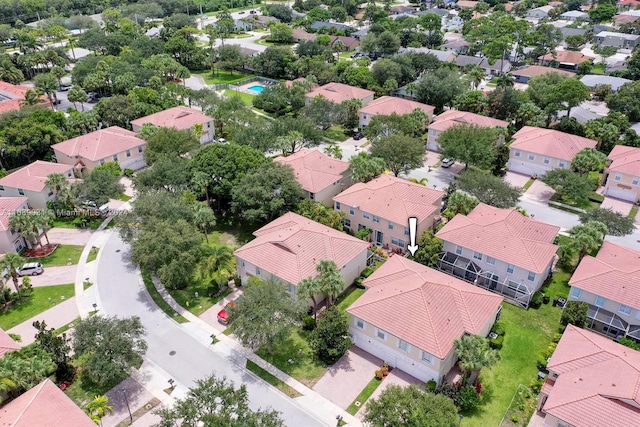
column 619, row 193
column 525, row 168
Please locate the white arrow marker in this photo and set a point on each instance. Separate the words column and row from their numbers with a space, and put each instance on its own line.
column 413, row 227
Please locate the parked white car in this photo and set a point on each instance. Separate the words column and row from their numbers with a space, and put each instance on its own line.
column 30, row 269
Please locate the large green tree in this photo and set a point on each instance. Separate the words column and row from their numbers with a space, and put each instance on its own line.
column 489, row 189
column 99, row 185
column 626, row 101
column 400, row 152
column 470, row 144
column 318, row 212
column 587, row 238
column 475, row 354
column 617, row 224
column 588, row 160
column 459, row 203
column 429, row 249
column 440, row 88
column 364, row 167
column 169, row 142
column 331, row 339
column 568, row 184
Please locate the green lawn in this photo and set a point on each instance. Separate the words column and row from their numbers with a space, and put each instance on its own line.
column 528, row 333
column 93, row 254
column 221, row 77
column 597, row 68
column 272, row 379
column 123, row 197
column 234, row 233
column 349, row 297
column 42, row 299
column 81, row 391
column 581, row 204
column 198, row 305
column 528, row 184
column 365, row 394
column 633, row 212
column 306, row 367
column 160, row 302
column 67, row 222
column 247, row 98
column 336, row 133
column 66, row 327
column 63, row 255
column 268, row 43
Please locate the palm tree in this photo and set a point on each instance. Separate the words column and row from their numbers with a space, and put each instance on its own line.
column 330, row 280
column 9, row 265
column 505, row 80
column 218, row 265
column 23, row 224
column 42, row 220
column 475, row 73
column 474, row 353
column 588, row 237
column 98, row 408
column 47, row 84
column 71, row 44
column 204, row 218
column 200, row 180
column 58, row 72
column 31, row 97
column 421, row 181
column 7, row 385
column 9, row 72
column 338, row 47
column 308, row 288
column 56, row 182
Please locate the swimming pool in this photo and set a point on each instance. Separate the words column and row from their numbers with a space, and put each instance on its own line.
column 256, row 88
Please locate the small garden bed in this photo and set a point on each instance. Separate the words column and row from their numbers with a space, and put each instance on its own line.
column 39, row 252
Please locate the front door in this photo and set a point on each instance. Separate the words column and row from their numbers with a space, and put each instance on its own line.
column 378, row 235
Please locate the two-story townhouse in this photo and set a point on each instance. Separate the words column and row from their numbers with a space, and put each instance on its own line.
column 454, row 117
column 499, row 249
column 387, row 105
column 112, row 144
column 622, row 176
column 339, row 93
column 30, row 182
column 320, row 176
column 619, row 40
column 410, row 315
column 610, row 284
column 181, row 118
column 535, row 151
column 592, row 382
column 289, row 248
column 384, row 206
column 11, row 241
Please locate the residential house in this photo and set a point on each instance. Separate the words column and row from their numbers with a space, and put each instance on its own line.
column 443, row 13
column 496, row 68
column 30, row 180
column 466, row 60
column 443, row 56
column 566, row 59
column 387, row 105
column 241, row 25
column 360, row 33
column 7, row 344
column 112, row 144
column 44, row 405
column 259, row 21
column 181, row 118
column 350, row 43
column 466, row 4
column 12, row 97
column 289, row 248
column 524, row 74
column 628, row 4
column 622, row 176
column 339, row 92
column 410, row 315
column 459, row 46
column 541, row 12
column 575, row 15
column 499, row 249
column 11, row 241
column 624, row 19
column 610, row 284
column 619, row 40
column 320, row 176
column 454, row 117
column 299, row 34
column 566, row 32
column 153, row 32
column 535, row 151
column 384, row 206
column 594, row 80
column 402, row 9
column 592, row 381
column 403, row 92
column 317, row 25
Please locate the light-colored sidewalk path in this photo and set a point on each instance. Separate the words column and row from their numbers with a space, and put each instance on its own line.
column 55, row 317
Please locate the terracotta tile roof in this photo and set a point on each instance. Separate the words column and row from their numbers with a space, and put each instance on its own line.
column 391, row 198
column 314, row 170
column 633, row 3
column 537, row 70
column 7, row 344
column 300, row 34
column 32, row 177
column 567, row 57
column 181, row 118
column 291, row 246
column 454, row 117
column 549, row 142
column 386, row 105
column 468, row 4
column 10, row 105
column 425, row 307
column 625, row 159
column 14, row 91
column 43, row 405
column 100, row 144
column 504, row 234
column 338, row 92
column 402, row 9
column 8, row 205
column 597, row 376
column 625, row 19
column 14, row 95
column 613, row 274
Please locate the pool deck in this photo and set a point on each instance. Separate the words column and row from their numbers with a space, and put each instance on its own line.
column 245, row 88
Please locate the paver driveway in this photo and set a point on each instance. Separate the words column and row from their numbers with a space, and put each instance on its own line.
column 396, row 377
column 616, row 205
column 342, row 382
column 516, row 179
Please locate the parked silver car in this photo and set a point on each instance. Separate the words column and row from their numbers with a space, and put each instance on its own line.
column 30, row 269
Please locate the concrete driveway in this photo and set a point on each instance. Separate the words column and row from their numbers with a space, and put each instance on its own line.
column 621, row 206
column 516, row 180
column 395, row 377
column 55, row 276
column 539, row 191
column 342, row 382
column 69, row 236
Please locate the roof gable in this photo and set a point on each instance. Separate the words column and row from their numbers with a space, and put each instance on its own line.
column 33, row 176
column 550, row 142
column 100, row 144
column 314, row 170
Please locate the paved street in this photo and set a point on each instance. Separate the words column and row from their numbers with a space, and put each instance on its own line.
column 171, row 347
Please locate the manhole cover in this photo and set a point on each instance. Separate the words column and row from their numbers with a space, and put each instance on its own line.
column 117, row 250
column 172, row 353
column 148, row 406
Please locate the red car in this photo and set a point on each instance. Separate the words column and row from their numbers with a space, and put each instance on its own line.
column 223, row 315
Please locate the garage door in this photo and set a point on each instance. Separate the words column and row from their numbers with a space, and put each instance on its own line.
column 416, row 369
column 525, row 168
column 619, row 193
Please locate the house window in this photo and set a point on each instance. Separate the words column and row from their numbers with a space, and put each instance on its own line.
column 50, row 193
column 311, row 196
column 365, row 215
column 101, row 162
column 115, row 158
column 618, row 177
column 624, row 309
column 360, row 227
column 477, row 255
column 546, row 160
column 517, row 153
column 562, row 165
column 404, row 346
column 347, row 222
column 390, row 225
column 575, row 293
column 406, row 231
column 491, row 261
column 600, row 302
column 397, row 242
column 426, row 357
column 352, row 211
column 1, row 187
column 360, row 323
column 381, row 334
column 337, row 206
column 531, row 277
column 140, row 149
column 242, row 263
column 208, row 124
column 128, row 153
column 258, row 271
column 459, row 250
column 635, row 181
column 21, row 191
column 510, row 268
column 531, row 156
column 376, row 219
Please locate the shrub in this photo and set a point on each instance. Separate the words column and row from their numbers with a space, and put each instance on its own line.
column 496, row 343
column 431, row 386
column 128, row 172
column 358, row 282
column 308, row 323
column 237, row 281
column 367, row 272
column 498, row 328
column 575, row 312
column 379, row 374
column 467, row 399
column 536, row 300
column 536, row 385
column 628, row 342
column 546, row 299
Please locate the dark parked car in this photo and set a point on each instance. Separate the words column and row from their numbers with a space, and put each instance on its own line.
column 358, row 136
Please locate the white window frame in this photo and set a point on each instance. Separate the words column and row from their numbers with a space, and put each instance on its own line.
column 562, row 164
column 352, row 210
column 128, row 153
column 575, row 293
column 258, row 271
column 360, row 324
column 511, row 268
column 398, row 242
column 635, row 181
column 338, row 206
column 517, row 153
column 346, row 222
column 427, row 358
column 380, row 334
column 546, row 161
column 115, row 157
column 477, row 255
column 531, row 276
column 458, row 250
column 366, row 215
column 390, row 225
column 491, row 260
column 140, row 149
column 600, row 301
column 406, row 345
column 376, row 219
column 624, row 309
column 617, row 177
column 21, row 191
column 531, row 157
column 406, row 231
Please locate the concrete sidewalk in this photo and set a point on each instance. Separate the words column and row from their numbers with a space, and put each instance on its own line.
column 55, row 317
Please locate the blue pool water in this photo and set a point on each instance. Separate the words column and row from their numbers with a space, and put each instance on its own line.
column 256, row 88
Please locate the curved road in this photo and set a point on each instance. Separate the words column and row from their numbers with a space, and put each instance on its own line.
column 171, row 347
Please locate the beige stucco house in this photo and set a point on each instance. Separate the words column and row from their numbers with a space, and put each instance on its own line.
column 112, row 144
column 410, row 315
column 535, row 151
column 289, row 248
column 387, row 105
column 11, row 241
column 30, row 182
column 454, row 117
column 622, row 176
column 320, row 176
column 181, row 118
column 340, row 92
column 499, row 249
column 384, row 206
